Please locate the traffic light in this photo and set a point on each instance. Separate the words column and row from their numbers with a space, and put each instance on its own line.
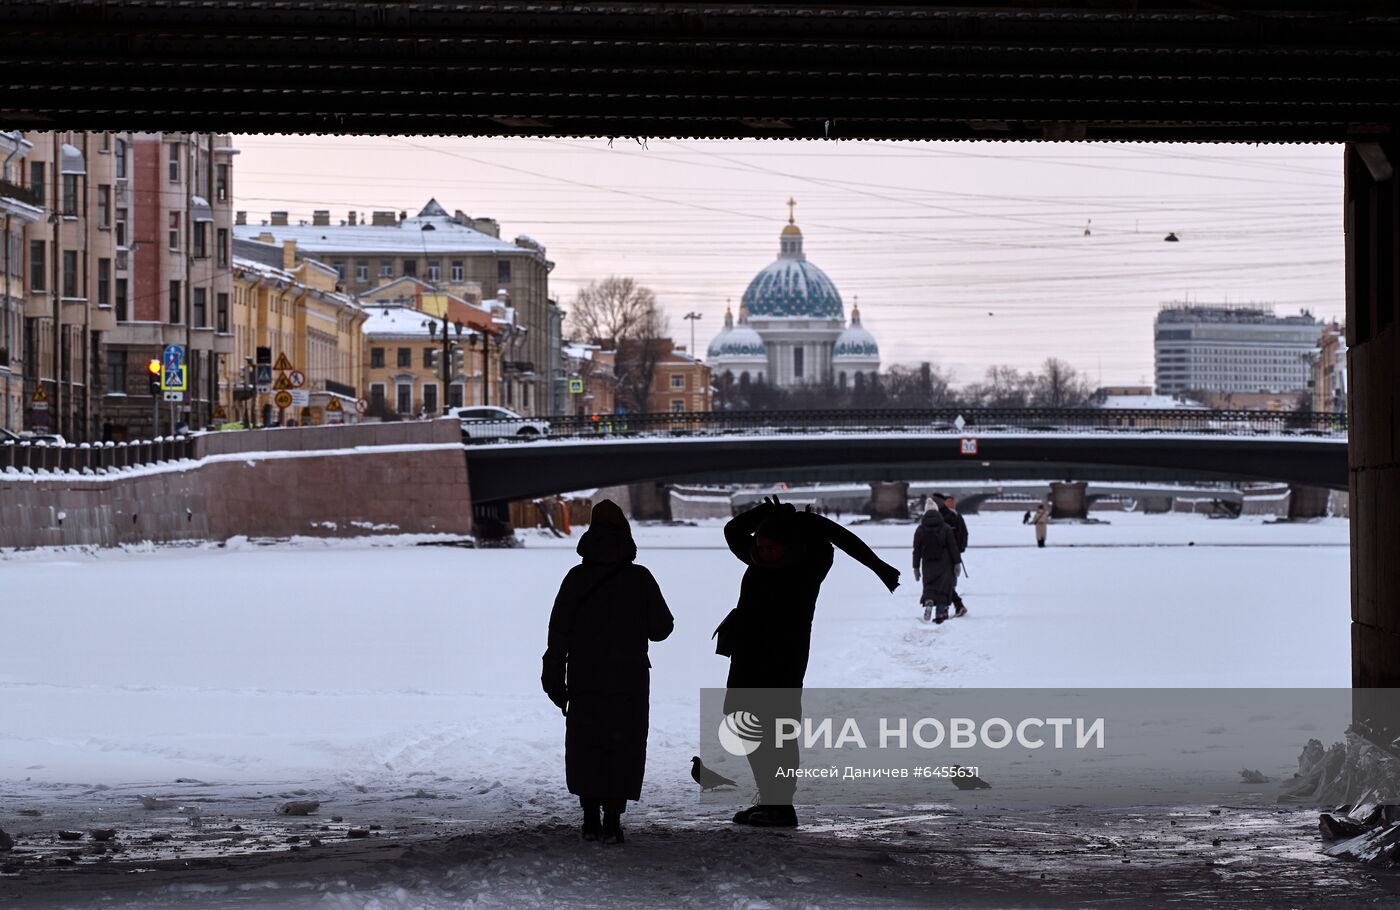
column 153, row 374
column 434, row 356
column 459, row 358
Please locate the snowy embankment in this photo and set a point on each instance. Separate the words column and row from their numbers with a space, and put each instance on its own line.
column 400, row 683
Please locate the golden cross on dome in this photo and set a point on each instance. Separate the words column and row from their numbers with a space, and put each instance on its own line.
column 791, row 204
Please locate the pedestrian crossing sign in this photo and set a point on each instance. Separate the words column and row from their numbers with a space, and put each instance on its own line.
column 173, row 380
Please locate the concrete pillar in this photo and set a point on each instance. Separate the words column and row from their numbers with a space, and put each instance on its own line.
column 889, row 500
column 651, row 501
column 1067, row 499
column 1373, row 408
column 1307, row 502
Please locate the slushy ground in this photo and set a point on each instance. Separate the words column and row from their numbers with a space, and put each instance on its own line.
column 398, row 685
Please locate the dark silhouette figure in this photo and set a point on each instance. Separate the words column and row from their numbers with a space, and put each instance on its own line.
column 707, row 779
column 948, row 508
column 971, row 782
column 768, row 636
column 935, row 555
column 596, row 669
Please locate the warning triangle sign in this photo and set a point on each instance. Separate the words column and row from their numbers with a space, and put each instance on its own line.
column 283, row 363
column 41, row 395
column 334, row 405
column 282, row 382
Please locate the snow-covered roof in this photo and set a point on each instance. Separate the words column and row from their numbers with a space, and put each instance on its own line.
column 401, row 321
column 430, row 234
column 1150, row 403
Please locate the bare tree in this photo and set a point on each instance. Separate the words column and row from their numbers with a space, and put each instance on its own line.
column 1060, row 385
column 615, row 309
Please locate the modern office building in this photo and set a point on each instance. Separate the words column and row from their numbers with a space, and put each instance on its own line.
column 1233, row 349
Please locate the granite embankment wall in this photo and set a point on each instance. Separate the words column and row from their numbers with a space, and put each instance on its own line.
column 394, row 478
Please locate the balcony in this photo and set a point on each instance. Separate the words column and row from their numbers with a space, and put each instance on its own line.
column 19, row 193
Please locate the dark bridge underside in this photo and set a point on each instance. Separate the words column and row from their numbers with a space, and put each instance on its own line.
column 1255, row 70
column 525, row 470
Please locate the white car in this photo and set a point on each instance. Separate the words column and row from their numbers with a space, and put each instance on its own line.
column 487, row 422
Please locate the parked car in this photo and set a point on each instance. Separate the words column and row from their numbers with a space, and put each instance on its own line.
column 29, row 436
column 487, row 422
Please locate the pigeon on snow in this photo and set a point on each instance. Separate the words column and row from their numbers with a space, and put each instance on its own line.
column 707, row 779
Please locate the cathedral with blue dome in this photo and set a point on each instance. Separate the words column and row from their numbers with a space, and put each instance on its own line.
column 792, row 326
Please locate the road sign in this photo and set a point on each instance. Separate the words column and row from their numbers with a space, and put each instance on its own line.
column 174, row 396
column 283, row 400
column 575, row 386
column 220, row 413
column 361, row 406
column 298, row 378
column 283, row 363
column 301, row 398
column 40, row 399
column 173, row 356
column 335, row 406
column 173, row 380
column 264, row 378
column 282, row 383
column 967, row 445
column 264, row 356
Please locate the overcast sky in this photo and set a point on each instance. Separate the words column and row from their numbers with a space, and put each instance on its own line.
column 963, row 254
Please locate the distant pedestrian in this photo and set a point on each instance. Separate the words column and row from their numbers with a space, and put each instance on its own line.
column 948, row 508
column 596, row 669
column 935, row 555
column 1041, row 520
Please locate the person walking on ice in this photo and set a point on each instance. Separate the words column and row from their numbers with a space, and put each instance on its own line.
column 935, row 555
column 1041, row 520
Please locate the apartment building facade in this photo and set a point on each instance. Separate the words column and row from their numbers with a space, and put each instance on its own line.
column 1232, row 349
column 445, row 251
column 20, row 209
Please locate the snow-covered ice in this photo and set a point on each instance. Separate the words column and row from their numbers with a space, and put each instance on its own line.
column 400, row 682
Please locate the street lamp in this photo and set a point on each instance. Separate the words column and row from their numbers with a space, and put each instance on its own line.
column 447, row 348
column 691, row 318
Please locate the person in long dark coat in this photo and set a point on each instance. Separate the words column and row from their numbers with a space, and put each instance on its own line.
column 597, row 671
column 935, row 556
column 948, row 508
column 768, row 636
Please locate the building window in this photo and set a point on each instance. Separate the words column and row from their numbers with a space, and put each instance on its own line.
column 410, row 268
column 503, row 271
column 221, row 312
column 404, row 405
column 797, row 362
column 175, row 301
column 38, row 263
column 458, row 271
column 386, row 268
column 116, row 371
column 173, row 236
column 36, row 182
column 174, row 162
column 121, row 227
column 121, row 159
column 677, row 405
column 201, row 240
column 376, row 359
column 430, row 399
column 221, row 244
column 70, row 273
column 199, row 315
column 376, row 397
column 70, row 194
column 104, row 282
column 104, row 142
column 677, row 381
column 121, row 300
column 104, row 205
column 361, row 271
column 428, row 361
column 340, row 270
column 455, row 397
column 405, row 358
column 434, row 270
column 221, row 183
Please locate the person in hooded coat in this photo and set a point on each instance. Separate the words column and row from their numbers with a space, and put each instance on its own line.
column 935, row 558
column 597, row 671
column 948, row 508
column 768, row 636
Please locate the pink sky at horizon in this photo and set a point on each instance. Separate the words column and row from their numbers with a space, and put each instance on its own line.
column 962, row 254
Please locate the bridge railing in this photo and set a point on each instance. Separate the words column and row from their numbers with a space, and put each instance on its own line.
column 950, row 421
column 38, row 456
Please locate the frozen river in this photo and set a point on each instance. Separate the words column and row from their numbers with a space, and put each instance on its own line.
column 377, row 672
